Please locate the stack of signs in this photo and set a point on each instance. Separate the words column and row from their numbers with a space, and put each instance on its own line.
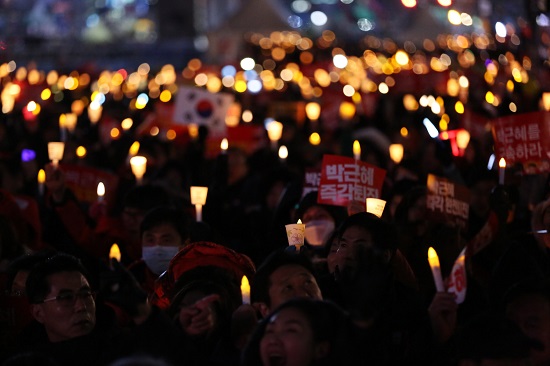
column 524, row 139
column 344, row 179
column 447, row 201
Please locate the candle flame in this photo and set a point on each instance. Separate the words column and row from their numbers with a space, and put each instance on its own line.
column 224, row 145
column 433, row 258
column 356, row 148
column 245, row 290
column 100, row 189
column 502, row 163
column 299, row 221
column 114, row 252
column 134, row 149
column 41, row 176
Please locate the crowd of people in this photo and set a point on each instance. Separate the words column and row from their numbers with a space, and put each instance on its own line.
column 360, row 291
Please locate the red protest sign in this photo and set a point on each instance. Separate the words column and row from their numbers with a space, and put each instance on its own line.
column 524, row 139
column 83, row 182
column 447, row 201
column 344, row 179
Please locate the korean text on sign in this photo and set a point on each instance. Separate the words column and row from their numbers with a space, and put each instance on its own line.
column 343, row 180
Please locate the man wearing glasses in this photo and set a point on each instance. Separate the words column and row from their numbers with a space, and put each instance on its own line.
column 63, row 304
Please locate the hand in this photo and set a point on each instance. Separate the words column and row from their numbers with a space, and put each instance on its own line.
column 442, row 312
column 119, row 287
column 199, row 318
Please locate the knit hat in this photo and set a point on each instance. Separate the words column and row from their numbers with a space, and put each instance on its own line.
column 195, row 255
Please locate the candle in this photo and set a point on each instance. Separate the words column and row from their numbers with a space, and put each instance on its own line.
column 139, row 166
column 501, row 170
column 114, row 252
column 41, row 180
column 376, row 206
column 396, row 153
column 245, row 290
column 198, row 198
column 296, row 233
column 100, row 191
column 356, row 150
column 283, row 153
column 274, row 132
column 436, row 269
column 55, row 152
column 224, row 145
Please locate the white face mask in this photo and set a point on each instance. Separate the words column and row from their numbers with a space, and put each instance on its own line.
column 158, row 257
column 318, row 231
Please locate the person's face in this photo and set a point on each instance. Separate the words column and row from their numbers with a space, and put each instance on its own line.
column 417, row 212
column 161, row 235
column 291, row 281
column 344, row 251
column 532, row 314
column 288, row 340
column 66, row 319
column 316, row 213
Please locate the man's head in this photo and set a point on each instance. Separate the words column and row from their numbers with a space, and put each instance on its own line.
column 138, row 201
column 361, row 236
column 283, row 276
column 164, row 232
column 61, row 297
column 528, row 305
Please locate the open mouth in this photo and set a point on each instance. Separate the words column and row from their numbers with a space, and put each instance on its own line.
column 276, row 360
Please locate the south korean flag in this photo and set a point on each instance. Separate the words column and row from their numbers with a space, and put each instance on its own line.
column 198, row 106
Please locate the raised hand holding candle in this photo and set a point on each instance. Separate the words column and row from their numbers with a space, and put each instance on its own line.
column 501, row 171
column 114, row 252
column 245, row 290
column 100, row 191
column 198, row 198
column 296, row 233
column 436, row 269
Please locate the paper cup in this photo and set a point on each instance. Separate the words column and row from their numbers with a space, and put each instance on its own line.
column 295, row 234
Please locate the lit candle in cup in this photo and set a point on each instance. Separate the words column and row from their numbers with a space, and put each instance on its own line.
column 55, row 152
column 436, row 269
column 138, row 164
column 295, row 234
column 375, row 206
column 41, row 179
column 245, row 290
column 198, row 198
column 114, row 252
column 356, row 150
column 100, row 191
column 274, row 132
column 396, row 153
column 501, row 171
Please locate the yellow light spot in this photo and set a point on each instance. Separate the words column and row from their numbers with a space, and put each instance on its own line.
column 154, row 131
column 81, row 151
column 459, row 107
column 314, row 139
column 126, row 124
column 170, row 134
column 404, row 132
column 46, row 94
column 115, row 133
column 165, row 96
column 490, row 97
